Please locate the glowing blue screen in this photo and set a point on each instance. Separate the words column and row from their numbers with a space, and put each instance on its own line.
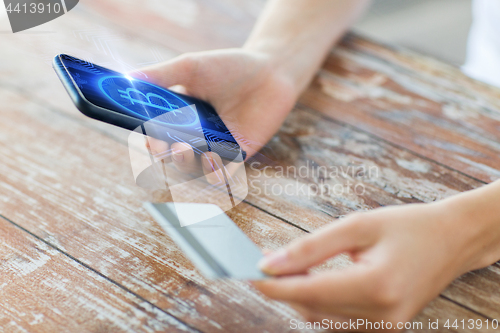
column 114, row 91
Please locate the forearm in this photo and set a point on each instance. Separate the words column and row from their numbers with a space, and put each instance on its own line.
column 297, row 34
column 477, row 215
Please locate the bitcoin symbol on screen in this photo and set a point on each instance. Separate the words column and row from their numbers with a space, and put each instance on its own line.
column 148, row 101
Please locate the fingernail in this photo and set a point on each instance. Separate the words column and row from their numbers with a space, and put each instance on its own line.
column 207, row 163
column 274, row 261
column 178, row 157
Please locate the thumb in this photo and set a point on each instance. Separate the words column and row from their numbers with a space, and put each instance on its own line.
column 177, row 71
column 347, row 235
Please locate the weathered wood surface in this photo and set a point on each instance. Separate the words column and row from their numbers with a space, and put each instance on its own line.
column 43, row 289
column 67, row 179
column 93, row 212
column 113, row 235
column 413, row 102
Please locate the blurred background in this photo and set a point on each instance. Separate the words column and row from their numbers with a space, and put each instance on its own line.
column 438, row 28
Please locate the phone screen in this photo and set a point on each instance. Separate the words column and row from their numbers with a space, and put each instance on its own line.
column 142, row 100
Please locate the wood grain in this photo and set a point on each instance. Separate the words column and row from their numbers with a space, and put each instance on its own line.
column 43, row 290
column 440, row 311
column 311, row 151
column 479, row 290
column 131, row 249
column 110, row 227
column 340, row 146
column 92, row 210
column 70, row 183
column 195, row 25
column 413, row 102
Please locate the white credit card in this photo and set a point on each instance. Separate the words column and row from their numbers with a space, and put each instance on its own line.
column 214, row 243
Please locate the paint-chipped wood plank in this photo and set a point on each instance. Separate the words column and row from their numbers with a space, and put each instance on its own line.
column 92, row 211
column 43, row 290
column 413, row 102
column 74, row 189
column 395, row 183
column 323, row 170
column 195, row 25
column 440, row 313
column 479, row 291
column 405, row 98
column 269, row 205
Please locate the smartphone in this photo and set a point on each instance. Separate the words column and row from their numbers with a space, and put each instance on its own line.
column 215, row 244
column 133, row 104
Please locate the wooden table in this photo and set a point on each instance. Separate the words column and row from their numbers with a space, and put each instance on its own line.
column 78, row 253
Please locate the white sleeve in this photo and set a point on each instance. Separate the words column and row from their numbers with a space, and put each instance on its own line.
column 483, row 47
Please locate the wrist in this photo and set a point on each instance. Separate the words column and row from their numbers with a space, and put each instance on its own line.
column 474, row 219
column 284, row 61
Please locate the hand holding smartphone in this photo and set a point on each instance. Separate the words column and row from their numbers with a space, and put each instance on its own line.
column 126, row 102
column 214, row 243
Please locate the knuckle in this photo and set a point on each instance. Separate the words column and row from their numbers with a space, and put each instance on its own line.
column 189, row 62
column 364, row 225
column 356, row 220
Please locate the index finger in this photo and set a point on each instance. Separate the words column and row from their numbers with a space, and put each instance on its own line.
column 337, row 290
column 322, row 244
